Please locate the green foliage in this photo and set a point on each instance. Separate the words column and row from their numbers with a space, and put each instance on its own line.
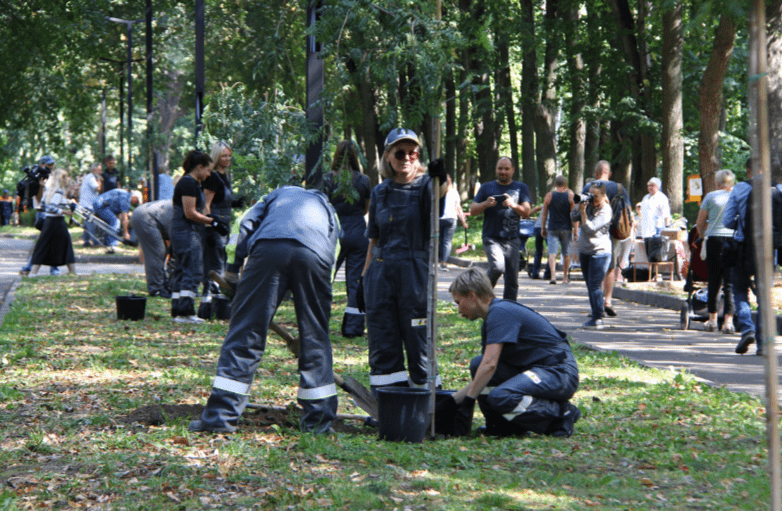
column 268, row 138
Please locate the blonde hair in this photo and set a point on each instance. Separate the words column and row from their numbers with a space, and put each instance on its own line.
column 55, row 182
column 472, row 280
column 724, row 177
column 388, row 172
column 217, row 151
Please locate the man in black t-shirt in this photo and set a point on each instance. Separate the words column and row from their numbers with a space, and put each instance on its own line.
column 110, row 173
column 502, row 202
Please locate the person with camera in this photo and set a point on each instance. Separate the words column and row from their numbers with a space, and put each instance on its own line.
column 557, row 227
column 594, row 246
column 31, row 192
column 54, row 247
column 618, row 247
column 90, row 189
column 396, row 269
column 526, row 374
column 351, row 201
column 502, row 202
column 186, row 227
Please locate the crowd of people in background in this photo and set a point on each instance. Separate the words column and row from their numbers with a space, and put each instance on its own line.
column 384, row 235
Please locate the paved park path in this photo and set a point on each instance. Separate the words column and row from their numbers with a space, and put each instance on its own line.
column 648, row 334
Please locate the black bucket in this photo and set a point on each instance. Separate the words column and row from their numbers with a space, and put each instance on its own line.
column 404, row 413
column 221, row 306
column 131, row 307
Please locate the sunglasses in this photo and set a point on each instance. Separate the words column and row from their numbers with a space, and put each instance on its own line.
column 401, row 154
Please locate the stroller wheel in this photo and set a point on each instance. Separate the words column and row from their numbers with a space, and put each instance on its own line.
column 684, row 317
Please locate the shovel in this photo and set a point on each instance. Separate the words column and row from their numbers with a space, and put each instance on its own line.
column 361, row 396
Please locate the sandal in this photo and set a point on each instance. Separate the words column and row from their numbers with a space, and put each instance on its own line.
column 728, row 329
column 710, row 326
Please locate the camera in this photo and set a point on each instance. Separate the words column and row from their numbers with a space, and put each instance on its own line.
column 583, row 197
column 31, row 183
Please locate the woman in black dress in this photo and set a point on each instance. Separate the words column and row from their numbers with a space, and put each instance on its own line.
column 54, row 246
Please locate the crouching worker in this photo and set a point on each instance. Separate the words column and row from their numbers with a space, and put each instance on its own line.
column 289, row 240
column 527, row 373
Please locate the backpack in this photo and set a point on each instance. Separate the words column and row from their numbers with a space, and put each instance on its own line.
column 621, row 216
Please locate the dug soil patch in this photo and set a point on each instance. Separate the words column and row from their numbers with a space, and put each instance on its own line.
column 253, row 418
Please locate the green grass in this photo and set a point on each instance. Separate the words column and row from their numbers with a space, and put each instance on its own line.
column 70, row 372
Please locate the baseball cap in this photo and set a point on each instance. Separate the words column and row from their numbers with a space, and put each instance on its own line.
column 46, row 160
column 398, row 135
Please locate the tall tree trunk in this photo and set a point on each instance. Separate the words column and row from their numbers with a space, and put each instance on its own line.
column 546, row 112
column 673, row 123
column 644, row 157
column 710, row 103
column 575, row 66
column 464, row 177
column 505, row 95
column 592, row 146
column 529, row 94
column 774, row 80
column 450, row 127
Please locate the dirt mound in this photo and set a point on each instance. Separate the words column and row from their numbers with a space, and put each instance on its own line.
column 255, row 417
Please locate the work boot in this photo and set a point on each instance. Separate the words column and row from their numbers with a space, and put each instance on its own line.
column 197, row 426
column 564, row 426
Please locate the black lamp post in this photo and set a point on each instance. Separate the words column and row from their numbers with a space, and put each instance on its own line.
column 129, row 24
column 199, row 65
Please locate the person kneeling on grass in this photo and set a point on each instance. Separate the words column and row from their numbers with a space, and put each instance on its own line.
column 526, row 375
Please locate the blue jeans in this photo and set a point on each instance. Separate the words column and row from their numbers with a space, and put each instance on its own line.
column 503, row 256
column 594, row 267
column 447, row 228
column 741, row 285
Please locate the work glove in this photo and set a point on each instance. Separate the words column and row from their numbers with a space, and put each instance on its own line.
column 437, row 169
column 72, row 205
column 360, row 295
column 239, row 203
column 220, row 226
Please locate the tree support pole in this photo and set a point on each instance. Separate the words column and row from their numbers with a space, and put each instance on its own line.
column 761, row 214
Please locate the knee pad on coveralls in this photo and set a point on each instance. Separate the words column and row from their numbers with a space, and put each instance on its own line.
column 530, row 414
column 223, row 410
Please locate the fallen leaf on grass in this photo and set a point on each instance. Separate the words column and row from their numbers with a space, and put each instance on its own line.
column 646, row 482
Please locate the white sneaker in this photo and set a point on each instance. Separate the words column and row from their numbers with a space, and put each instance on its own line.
column 192, row 320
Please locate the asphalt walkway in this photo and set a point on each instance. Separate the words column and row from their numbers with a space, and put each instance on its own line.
column 648, row 334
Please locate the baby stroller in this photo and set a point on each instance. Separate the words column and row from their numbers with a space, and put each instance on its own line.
column 696, row 307
column 526, row 230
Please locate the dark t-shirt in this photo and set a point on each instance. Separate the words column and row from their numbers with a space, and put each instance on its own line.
column 500, row 221
column 528, row 338
column 217, row 182
column 344, row 208
column 110, row 180
column 188, row 187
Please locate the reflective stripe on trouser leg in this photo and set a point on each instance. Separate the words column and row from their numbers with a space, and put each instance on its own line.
column 233, row 386
column 521, row 408
column 318, row 393
column 381, row 380
column 437, row 383
column 354, row 311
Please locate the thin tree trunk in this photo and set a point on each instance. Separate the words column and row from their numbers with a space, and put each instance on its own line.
column 464, row 177
column 506, row 97
column 673, row 123
column 450, row 127
column 774, row 79
column 575, row 66
column 592, row 146
column 545, row 115
column 710, row 103
column 529, row 95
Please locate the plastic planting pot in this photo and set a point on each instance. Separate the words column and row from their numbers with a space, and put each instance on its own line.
column 131, row 307
column 403, row 414
column 221, row 307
